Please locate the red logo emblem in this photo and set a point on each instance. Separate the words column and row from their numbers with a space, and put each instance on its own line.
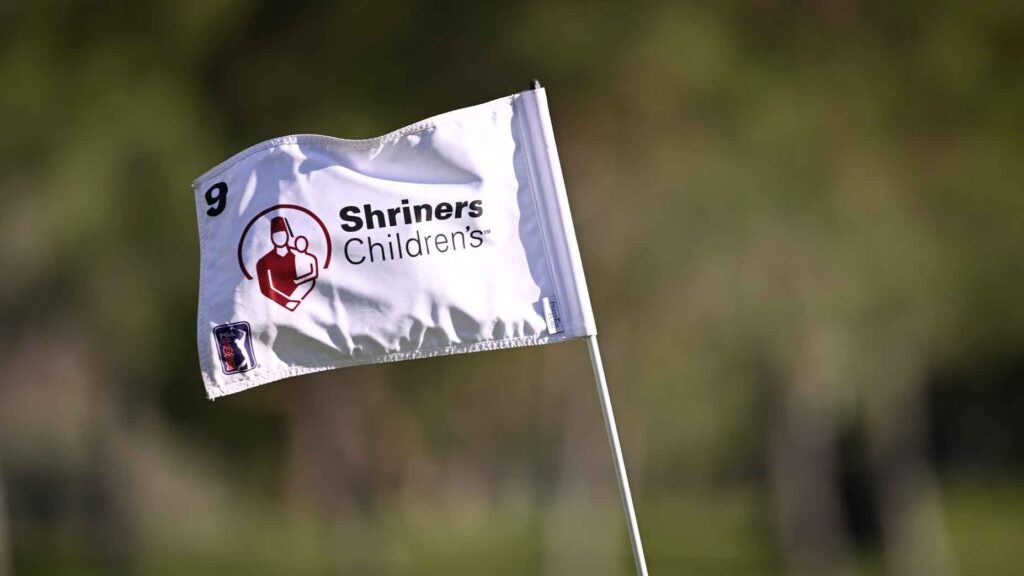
column 289, row 244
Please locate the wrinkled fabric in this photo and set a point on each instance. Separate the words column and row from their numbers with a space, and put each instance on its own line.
column 448, row 236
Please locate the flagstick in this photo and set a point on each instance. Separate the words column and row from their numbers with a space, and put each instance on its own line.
column 613, row 438
column 620, row 465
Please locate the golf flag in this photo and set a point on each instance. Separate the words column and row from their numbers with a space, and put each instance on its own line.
column 451, row 235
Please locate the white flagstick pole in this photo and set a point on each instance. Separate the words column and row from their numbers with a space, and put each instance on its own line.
column 620, row 465
column 613, row 438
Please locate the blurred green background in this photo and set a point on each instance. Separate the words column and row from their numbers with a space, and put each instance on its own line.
column 802, row 226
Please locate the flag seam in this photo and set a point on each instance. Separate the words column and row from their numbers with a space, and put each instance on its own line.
column 451, row 117
column 537, row 205
column 204, row 361
column 215, row 391
column 567, row 258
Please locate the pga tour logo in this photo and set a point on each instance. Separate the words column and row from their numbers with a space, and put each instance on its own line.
column 234, row 345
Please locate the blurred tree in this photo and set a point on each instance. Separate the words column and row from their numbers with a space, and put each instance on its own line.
column 5, row 557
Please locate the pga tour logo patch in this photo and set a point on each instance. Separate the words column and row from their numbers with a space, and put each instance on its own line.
column 234, row 345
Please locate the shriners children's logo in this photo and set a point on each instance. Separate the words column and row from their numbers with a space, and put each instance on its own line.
column 234, row 344
column 285, row 246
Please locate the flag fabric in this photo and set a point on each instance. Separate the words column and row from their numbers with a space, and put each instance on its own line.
column 451, row 235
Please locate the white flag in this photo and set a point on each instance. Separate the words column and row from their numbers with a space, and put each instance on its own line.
column 451, row 235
